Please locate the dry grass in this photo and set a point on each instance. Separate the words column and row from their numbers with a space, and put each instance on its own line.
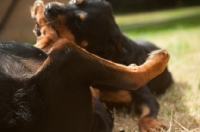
column 180, row 106
column 182, row 101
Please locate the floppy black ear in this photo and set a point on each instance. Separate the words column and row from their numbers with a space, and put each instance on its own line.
column 114, row 47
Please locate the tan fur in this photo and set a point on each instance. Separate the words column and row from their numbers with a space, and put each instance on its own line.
column 121, row 96
column 149, row 124
column 79, row 1
column 62, row 31
column 82, row 17
column 145, row 111
column 149, row 69
column 84, row 44
column 48, row 34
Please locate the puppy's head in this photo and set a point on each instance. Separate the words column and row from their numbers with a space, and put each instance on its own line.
column 89, row 23
column 46, row 35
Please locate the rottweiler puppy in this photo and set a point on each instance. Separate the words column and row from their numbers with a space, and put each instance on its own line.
column 91, row 25
column 50, row 93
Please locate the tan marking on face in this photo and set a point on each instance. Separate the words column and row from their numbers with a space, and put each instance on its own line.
column 52, row 31
column 62, row 30
column 145, row 111
column 121, row 96
column 79, row 1
column 47, row 39
column 82, row 16
column 48, row 35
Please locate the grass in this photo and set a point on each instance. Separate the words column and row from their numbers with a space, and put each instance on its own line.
column 180, row 105
column 141, row 20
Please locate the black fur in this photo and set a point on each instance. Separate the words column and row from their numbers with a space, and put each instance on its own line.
column 50, row 93
column 20, row 107
column 105, row 39
column 22, row 98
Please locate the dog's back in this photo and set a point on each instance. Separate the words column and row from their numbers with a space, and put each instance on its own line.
column 16, row 104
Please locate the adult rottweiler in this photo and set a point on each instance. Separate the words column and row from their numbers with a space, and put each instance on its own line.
column 50, row 93
column 91, row 25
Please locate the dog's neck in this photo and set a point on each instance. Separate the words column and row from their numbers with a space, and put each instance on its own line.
column 67, row 97
column 116, row 47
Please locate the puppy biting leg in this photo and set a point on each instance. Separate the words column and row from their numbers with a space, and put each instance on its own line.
column 45, row 34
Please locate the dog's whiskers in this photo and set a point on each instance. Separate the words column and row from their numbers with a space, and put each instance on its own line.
column 50, row 22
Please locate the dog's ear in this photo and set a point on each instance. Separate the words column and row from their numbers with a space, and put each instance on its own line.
column 114, row 47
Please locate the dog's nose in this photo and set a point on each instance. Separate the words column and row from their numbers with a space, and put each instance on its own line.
column 53, row 9
column 48, row 8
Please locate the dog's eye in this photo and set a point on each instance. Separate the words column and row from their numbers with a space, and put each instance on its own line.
column 37, row 31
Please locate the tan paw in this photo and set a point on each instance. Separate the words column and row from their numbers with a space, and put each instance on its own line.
column 149, row 124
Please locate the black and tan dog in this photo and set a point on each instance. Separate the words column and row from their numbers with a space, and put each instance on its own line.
column 50, row 93
column 91, row 25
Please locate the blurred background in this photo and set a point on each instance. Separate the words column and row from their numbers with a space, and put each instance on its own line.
column 150, row 5
column 16, row 23
column 15, row 20
column 170, row 24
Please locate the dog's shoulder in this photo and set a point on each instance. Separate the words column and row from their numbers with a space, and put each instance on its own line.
column 17, row 103
column 18, row 59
